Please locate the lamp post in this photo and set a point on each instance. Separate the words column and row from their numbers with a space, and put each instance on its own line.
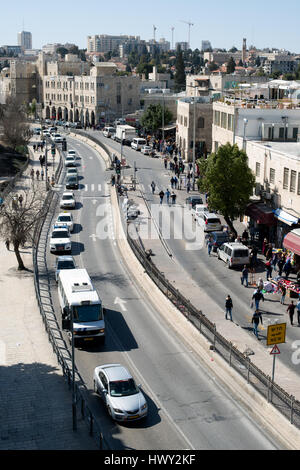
column 194, row 136
column 73, row 376
column 244, row 135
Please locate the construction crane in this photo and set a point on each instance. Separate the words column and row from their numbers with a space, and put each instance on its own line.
column 190, row 24
column 154, row 29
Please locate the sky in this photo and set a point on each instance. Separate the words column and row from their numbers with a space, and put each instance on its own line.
column 264, row 23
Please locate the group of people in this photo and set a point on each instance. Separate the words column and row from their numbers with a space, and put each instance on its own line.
column 39, row 146
column 162, row 194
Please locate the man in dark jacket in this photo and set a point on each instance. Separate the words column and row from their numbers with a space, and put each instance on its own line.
column 257, row 297
column 228, row 307
column 255, row 320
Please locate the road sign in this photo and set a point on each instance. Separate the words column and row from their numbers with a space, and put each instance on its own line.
column 275, row 350
column 276, row 334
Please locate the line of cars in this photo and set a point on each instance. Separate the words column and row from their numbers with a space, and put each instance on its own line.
column 232, row 253
column 123, row 399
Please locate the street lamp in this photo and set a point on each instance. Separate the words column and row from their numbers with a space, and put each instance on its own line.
column 244, row 135
column 194, row 136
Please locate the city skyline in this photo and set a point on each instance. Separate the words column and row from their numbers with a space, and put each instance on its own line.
column 223, row 25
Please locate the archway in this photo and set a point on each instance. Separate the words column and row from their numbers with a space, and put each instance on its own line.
column 53, row 112
column 71, row 116
column 87, row 118
column 76, row 117
column 66, row 115
column 92, row 118
column 59, row 114
column 47, row 112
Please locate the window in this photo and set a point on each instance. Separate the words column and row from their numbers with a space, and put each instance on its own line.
column 298, row 192
column 224, row 120
column 295, row 133
column 285, row 178
column 200, row 123
column 293, row 181
column 272, row 176
column 185, row 121
column 281, row 133
column 217, row 118
column 257, row 169
column 230, row 122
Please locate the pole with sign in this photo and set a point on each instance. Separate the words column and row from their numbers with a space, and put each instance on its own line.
column 275, row 335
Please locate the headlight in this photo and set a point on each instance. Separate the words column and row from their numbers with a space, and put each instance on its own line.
column 68, row 246
column 52, row 247
column 116, row 410
column 144, row 406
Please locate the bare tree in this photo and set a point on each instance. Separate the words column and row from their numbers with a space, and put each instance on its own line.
column 16, row 132
column 18, row 216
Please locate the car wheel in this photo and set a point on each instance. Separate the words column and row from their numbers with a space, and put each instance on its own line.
column 228, row 264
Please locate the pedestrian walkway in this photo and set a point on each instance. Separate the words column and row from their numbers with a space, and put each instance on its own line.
column 36, row 403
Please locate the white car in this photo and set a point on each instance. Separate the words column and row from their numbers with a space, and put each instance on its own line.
column 146, row 150
column 60, row 240
column 66, row 218
column 72, row 152
column 209, row 222
column 122, row 397
column 197, row 210
column 58, row 138
column 70, row 160
column 63, row 262
column 72, row 171
column 68, row 200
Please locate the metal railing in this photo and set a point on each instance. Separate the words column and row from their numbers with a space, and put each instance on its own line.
column 280, row 399
column 52, row 327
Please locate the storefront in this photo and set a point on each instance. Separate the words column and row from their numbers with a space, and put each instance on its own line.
column 262, row 222
column 286, row 222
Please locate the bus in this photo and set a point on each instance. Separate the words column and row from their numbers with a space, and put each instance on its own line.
column 79, row 301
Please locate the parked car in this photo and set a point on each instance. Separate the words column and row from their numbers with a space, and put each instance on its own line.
column 137, row 143
column 72, row 153
column 63, row 262
column 70, row 160
column 218, row 238
column 60, row 240
column 65, row 218
column 72, row 171
column 234, row 254
column 192, row 201
column 210, row 222
column 108, row 131
column 123, row 399
column 197, row 210
column 72, row 182
column 68, row 200
column 146, row 150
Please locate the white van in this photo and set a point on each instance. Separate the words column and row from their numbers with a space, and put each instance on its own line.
column 109, row 131
column 137, row 143
column 234, row 254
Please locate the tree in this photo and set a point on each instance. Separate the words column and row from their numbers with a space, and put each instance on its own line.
column 152, row 119
column 231, row 65
column 18, row 220
column 16, row 132
column 228, row 180
column 180, row 80
column 62, row 51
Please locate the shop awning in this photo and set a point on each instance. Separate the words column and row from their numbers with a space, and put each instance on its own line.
column 261, row 213
column 286, row 217
column 292, row 241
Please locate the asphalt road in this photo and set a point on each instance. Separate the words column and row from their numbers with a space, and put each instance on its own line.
column 188, row 409
column 209, row 273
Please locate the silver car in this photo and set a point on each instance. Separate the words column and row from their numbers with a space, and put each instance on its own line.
column 63, row 262
column 122, row 397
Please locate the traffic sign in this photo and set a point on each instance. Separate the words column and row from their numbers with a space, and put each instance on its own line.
column 275, row 350
column 276, row 334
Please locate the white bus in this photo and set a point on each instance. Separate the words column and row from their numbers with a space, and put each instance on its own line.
column 79, row 298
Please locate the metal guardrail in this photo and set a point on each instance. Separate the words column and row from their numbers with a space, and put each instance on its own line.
column 52, row 327
column 280, row 399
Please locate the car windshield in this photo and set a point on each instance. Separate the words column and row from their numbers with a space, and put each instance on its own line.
column 241, row 253
column 60, row 234
column 64, row 218
column 213, row 221
column 123, row 388
column 65, row 265
column 196, row 201
column 67, row 197
column 87, row 313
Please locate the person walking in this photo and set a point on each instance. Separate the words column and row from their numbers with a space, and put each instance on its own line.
column 280, row 265
column 172, row 182
column 228, row 307
column 209, row 245
column 161, row 196
column 173, row 197
column 168, row 194
column 257, row 297
column 37, row 174
column 256, row 318
column 7, row 244
column 20, row 198
column 153, row 186
column 287, row 268
column 188, row 187
column 245, row 274
column 269, row 270
column 291, row 310
column 283, row 294
column 32, row 173
column 42, row 174
column 298, row 312
column 166, row 163
column 113, row 180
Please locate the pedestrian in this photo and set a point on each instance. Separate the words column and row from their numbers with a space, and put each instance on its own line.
column 34, row 147
column 188, row 187
column 52, row 181
column 172, row 182
column 209, row 243
column 32, row 174
column 168, row 194
column 7, row 244
column 291, row 310
column 228, row 307
column 287, row 268
column 280, row 265
column 283, row 294
column 20, row 198
column 269, row 252
column 37, row 174
column 298, row 312
column 113, row 180
column 257, row 297
column 269, row 270
column 256, row 318
column 173, row 197
column 245, row 274
column 161, row 196
column 42, row 174
column 166, row 163
column 153, row 185
column 254, row 252
column 175, row 181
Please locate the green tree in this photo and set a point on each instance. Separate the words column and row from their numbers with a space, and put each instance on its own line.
column 226, row 176
column 180, row 80
column 231, row 65
column 152, row 118
column 62, row 51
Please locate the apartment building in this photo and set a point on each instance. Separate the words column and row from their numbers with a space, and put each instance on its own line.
column 106, row 43
column 270, row 137
column 90, row 97
column 25, row 40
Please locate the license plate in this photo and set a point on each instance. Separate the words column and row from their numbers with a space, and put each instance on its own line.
column 133, row 417
column 88, row 339
column 60, row 248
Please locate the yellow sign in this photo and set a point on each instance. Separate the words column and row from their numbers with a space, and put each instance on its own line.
column 276, row 334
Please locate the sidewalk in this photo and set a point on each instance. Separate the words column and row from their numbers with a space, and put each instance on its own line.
column 36, row 404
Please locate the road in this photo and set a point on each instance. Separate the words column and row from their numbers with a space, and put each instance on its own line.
column 209, row 273
column 188, row 409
